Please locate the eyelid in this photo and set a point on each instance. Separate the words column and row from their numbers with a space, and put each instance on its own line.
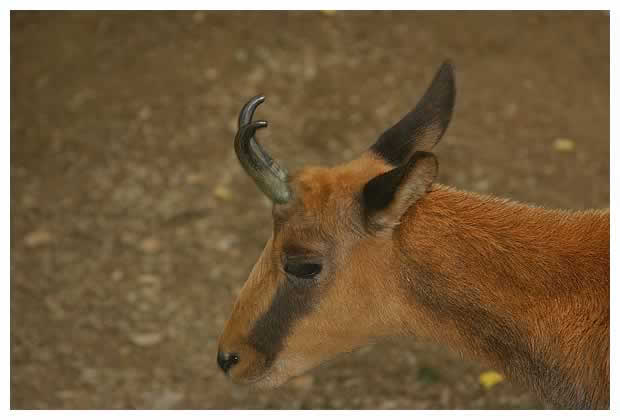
column 301, row 259
column 303, row 271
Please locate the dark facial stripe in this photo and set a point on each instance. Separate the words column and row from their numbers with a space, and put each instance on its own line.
column 289, row 304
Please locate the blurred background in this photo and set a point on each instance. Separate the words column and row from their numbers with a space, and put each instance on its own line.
column 133, row 226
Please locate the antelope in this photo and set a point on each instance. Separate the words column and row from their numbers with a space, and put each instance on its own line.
column 375, row 248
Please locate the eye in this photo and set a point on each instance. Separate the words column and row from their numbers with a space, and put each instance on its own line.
column 302, row 270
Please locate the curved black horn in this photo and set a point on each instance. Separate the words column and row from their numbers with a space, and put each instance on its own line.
column 268, row 175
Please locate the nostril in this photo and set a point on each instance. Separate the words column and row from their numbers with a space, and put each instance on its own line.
column 227, row 360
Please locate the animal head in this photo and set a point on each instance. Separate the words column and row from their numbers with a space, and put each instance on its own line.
column 323, row 285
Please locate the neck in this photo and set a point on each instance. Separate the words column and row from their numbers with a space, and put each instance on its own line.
column 522, row 289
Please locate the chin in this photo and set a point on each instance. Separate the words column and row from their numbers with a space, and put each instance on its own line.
column 268, row 382
column 279, row 374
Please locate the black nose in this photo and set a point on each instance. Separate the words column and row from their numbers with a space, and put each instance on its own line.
column 227, row 360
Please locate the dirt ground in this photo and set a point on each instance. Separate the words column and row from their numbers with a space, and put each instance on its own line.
column 133, row 226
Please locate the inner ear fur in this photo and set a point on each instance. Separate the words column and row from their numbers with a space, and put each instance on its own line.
column 387, row 197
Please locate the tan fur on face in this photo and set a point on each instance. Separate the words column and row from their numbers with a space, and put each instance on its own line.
column 318, row 220
column 520, row 288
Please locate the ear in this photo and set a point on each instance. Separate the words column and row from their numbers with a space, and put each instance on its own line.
column 387, row 197
column 422, row 128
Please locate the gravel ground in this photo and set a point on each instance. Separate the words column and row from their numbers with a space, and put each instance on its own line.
column 133, row 227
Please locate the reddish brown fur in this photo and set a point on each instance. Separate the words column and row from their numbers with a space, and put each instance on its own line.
column 521, row 288
column 545, row 271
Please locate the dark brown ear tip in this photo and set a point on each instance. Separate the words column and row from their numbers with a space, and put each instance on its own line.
column 446, row 74
column 448, row 65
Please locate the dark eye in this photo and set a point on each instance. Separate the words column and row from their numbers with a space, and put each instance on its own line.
column 302, row 270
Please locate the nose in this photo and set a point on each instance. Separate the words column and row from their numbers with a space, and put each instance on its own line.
column 227, row 360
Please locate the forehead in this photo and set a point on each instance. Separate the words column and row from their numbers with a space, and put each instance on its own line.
column 326, row 199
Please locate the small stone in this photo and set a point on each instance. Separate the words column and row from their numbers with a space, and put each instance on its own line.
column 132, row 297
column 80, row 98
column 548, row 169
column 166, row 399
column 37, row 238
column 460, row 178
column 89, row 375
column 194, row 179
column 351, row 382
column 150, row 245
column 389, row 405
column 511, row 110
column 482, row 185
column 150, row 293
column 211, row 73
column 43, row 355
column 223, row 193
column 564, row 145
column 225, row 243
column 310, row 72
column 66, row 394
column 29, row 201
column 241, row 55
column 55, row 308
column 304, row 382
column 444, row 398
column 149, row 279
column 199, row 16
column 389, row 79
column 337, row 403
column 144, row 113
column 489, row 117
column 143, row 306
column 117, row 275
column 129, row 237
column 146, row 339
column 42, row 81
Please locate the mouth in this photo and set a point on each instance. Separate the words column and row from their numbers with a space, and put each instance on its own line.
column 268, row 380
column 274, row 376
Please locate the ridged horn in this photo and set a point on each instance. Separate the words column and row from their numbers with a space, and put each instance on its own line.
column 268, row 175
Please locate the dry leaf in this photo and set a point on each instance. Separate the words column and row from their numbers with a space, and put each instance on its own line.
column 146, row 339
column 223, row 193
column 38, row 238
column 564, row 145
column 150, row 245
column 490, row 378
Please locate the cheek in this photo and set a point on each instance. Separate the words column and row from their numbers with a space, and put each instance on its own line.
column 337, row 324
